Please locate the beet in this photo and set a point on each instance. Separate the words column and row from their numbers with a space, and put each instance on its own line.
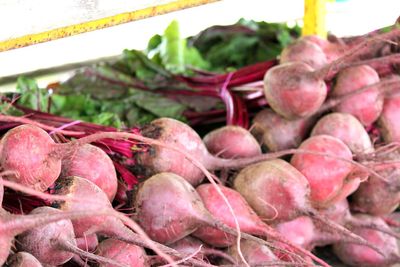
column 92, row 163
column 26, row 150
column 13, row 225
column 304, row 51
column 278, row 192
column 292, row 91
column 379, row 196
column 331, row 50
column 23, row 259
column 278, row 133
column 357, row 255
column 326, row 176
column 87, row 243
column 296, row 90
column 90, row 196
column 254, row 253
column 125, row 253
column 367, row 106
column 224, row 142
column 248, row 220
column 300, row 231
column 346, row 128
column 389, row 119
column 181, row 209
column 53, row 243
column 160, row 159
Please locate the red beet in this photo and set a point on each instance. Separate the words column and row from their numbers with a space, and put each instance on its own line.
column 125, row 253
column 53, row 243
column 389, row 120
column 254, row 254
column 326, row 176
column 278, row 133
column 26, row 150
column 23, row 259
column 13, row 225
column 224, row 142
column 87, row 243
column 296, row 89
column 367, row 106
column 357, row 255
column 169, row 209
column 346, row 128
column 331, row 50
column 379, row 196
column 293, row 90
column 304, row 51
column 278, row 192
column 248, row 220
column 300, row 231
column 92, row 163
column 89, row 196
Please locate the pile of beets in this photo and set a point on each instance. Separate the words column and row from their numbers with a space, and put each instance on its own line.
column 320, row 166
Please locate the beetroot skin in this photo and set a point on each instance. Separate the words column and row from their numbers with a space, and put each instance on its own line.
column 44, row 242
column 165, row 210
column 92, row 163
column 23, row 259
column 326, row 175
column 389, row 120
column 27, row 151
column 160, row 159
column 293, row 91
column 224, row 142
column 356, row 255
column 278, row 133
column 304, row 51
column 366, row 106
column 347, row 128
column 124, row 253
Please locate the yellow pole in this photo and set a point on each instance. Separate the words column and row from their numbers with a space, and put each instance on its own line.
column 93, row 25
column 314, row 18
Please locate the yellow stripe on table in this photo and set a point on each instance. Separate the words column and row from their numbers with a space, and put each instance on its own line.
column 93, row 25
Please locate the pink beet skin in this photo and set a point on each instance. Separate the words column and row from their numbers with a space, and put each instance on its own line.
column 94, row 164
column 124, row 253
column 254, row 254
column 87, row 243
column 304, row 51
column 45, row 242
column 357, row 255
column 278, row 133
column 332, row 51
column 160, row 159
column 248, row 220
column 326, row 175
column 23, row 259
column 346, row 128
column 224, row 141
column 389, row 122
column 300, row 231
column 168, row 208
column 378, row 196
column 366, row 106
column 293, row 90
column 26, row 150
column 274, row 189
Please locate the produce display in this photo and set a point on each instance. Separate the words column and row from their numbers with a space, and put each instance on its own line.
column 245, row 145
